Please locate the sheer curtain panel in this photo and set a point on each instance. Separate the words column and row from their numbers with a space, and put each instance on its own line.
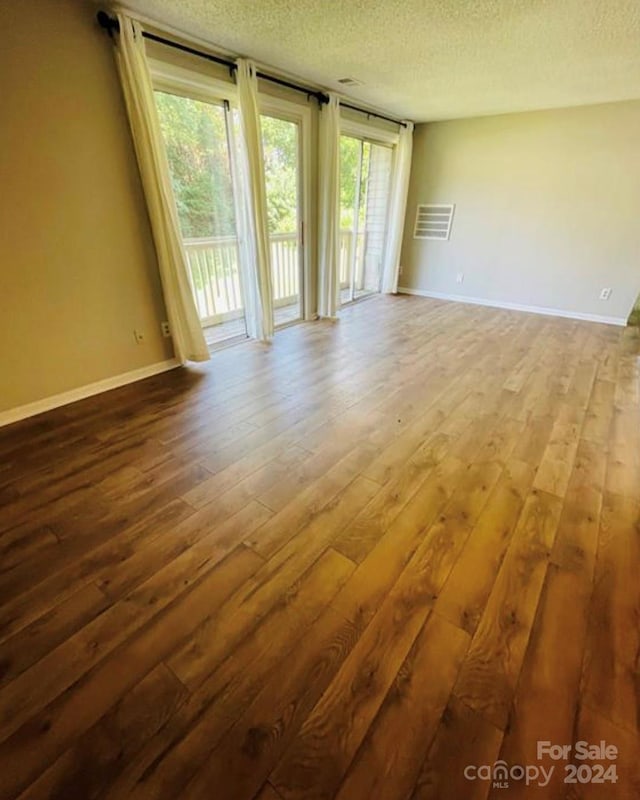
column 188, row 340
column 397, row 209
column 255, row 256
column 329, row 209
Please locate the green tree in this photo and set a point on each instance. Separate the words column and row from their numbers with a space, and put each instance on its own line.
column 280, row 147
column 195, row 138
column 196, row 141
column 350, row 151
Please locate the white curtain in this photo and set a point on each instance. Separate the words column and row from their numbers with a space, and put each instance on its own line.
column 397, row 209
column 188, row 340
column 329, row 209
column 255, row 256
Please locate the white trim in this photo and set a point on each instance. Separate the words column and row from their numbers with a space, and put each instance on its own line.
column 168, row 77
column 90, row 389
column 273, row 106
column 549, row 312
column 368, row 132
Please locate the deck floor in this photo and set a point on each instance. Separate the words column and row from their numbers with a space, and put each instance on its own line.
column 347, row 565
column 235, row 328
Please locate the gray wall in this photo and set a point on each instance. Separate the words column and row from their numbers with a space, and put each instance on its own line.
column 547, row 208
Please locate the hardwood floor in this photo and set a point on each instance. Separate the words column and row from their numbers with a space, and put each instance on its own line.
column 348, row 564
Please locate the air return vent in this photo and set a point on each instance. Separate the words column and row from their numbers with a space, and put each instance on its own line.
column 433, row 222
column 349, row 81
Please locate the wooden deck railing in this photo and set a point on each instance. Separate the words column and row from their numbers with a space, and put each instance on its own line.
column 215, row 280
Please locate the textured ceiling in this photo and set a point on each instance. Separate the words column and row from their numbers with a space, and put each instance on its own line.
column 433, row 59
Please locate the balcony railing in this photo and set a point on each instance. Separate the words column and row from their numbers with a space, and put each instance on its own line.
column 349, row 242
column 215, row 280
column 214, row 277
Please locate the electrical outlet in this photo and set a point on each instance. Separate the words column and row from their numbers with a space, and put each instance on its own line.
column 605, row 294
column 139, row 337
column 460, row 277
column 166, row 330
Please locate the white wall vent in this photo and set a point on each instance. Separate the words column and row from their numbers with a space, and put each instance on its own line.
column 434, row 221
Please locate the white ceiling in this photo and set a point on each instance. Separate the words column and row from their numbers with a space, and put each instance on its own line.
column 432, row 59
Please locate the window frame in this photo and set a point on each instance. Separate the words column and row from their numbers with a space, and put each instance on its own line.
column 167, row 77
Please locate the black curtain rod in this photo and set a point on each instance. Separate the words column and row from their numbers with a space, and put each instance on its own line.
column 373, row 114
column 111, row 25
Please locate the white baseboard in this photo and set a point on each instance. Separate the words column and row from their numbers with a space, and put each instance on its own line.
column 64, row 398
column 549, row 312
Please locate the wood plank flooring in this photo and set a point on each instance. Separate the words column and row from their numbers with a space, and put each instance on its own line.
column 345, row 565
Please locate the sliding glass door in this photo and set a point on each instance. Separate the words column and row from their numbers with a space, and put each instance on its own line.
column 282, row 151
column 365, row 175
column 197, row 136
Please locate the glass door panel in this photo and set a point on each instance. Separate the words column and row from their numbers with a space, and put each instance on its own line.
column 375, row 223
column 365, row 173
column 353, row 164
column 197, row 141
column 281, row 146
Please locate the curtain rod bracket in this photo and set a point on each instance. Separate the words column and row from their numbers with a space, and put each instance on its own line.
column 110, row 24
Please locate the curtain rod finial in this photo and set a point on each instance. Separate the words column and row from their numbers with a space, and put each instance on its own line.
column 110, row 24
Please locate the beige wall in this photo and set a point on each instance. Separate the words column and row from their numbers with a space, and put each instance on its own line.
column 547, row 208
column 77, row 266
